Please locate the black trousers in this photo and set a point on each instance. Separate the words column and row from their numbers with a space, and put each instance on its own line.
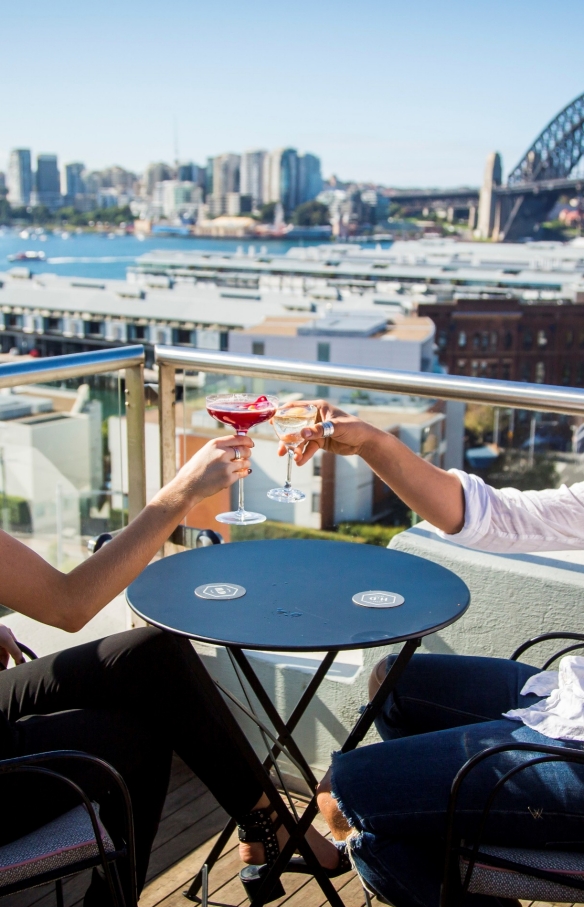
column 131, row 699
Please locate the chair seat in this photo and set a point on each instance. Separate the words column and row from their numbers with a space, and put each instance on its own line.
column 66, row 840
column 506, row 883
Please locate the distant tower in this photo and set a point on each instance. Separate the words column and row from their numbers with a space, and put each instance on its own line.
column 488, row 197
column 252, row 176
column 48, row 182
column 19, row 177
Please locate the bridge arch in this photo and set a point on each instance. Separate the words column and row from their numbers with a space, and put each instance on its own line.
column 557, row 149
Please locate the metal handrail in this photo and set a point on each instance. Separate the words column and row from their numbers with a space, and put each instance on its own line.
column 79, row 365
column 512, row 394
column 76, row 365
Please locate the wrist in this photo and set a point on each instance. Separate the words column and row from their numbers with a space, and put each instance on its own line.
column 177, row 497
column 371, row 437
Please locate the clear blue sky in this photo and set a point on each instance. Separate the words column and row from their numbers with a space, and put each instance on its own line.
column 415, row 92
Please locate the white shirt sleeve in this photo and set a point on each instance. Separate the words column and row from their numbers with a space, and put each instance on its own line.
column 509, row 521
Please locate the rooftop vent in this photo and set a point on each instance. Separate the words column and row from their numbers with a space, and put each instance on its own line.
column 88, row 284
column 357, row 325
column 131, row 293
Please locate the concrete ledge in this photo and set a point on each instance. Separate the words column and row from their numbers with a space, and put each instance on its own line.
column 513, row 596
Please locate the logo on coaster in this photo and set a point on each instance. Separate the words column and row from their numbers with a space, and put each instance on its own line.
column 378, row 599
column 220, row 591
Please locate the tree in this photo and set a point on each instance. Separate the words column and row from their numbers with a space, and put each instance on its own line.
column 267, row 213
column 5, row 212
column 311, row 214
column 479, row 420
column 41, row 215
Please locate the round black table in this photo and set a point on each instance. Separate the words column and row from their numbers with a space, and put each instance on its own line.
column 298, row 595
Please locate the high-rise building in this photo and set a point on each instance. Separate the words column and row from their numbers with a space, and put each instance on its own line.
column 309, row 177
column 3, row 189
column 47, row 182
column 74, row 184
column 19, row 177
column 252, row 176
column 155, row 173
column 226, row 169
column 118, row 178
column 191, row 173
column 281, row 178
column 224, row 183
column 209, row 177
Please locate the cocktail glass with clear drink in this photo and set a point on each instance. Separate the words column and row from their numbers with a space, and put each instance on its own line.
column 288, row 422
column 241, row 411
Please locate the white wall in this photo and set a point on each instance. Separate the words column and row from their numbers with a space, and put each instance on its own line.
column 513, row 597
column 353, row 490
column 269, row 471
column 41, row 455
column 118, row 447
column 403, row 355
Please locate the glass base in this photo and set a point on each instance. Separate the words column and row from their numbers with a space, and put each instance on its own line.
column 286, row 495
column 240, row 517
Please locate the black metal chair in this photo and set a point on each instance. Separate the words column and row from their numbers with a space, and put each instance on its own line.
column 504, row 872
column 74, row 841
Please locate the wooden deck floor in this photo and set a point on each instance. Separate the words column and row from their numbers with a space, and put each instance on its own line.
column 190, row 824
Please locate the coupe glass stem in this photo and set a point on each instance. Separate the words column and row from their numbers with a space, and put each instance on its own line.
column 289, row 471
column 240, row 507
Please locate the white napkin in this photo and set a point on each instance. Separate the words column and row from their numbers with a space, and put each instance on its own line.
column 561, row 715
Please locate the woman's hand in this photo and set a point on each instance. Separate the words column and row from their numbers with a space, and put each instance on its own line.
column 349, row 436
column 9, row 648
column 215, row 465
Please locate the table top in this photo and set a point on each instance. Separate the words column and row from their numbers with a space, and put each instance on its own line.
column 298, row 595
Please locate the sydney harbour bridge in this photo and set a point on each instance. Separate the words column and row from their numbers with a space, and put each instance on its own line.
column 513, row 210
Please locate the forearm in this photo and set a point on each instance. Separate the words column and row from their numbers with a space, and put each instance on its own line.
column 95, row 582
column 432, row 493
column 30, row 585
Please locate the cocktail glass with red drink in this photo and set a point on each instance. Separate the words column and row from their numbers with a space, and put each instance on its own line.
column 241, row 412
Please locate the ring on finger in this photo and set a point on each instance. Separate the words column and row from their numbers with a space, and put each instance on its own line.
column 237, row 453
column 328, row 429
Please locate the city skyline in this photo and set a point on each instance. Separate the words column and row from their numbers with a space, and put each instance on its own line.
column 384, row 94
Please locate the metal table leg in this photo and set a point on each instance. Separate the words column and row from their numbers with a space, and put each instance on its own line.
column 297, row 830
column 283, row 737
column 372, row 709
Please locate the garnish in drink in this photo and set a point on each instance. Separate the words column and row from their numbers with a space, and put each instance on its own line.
column 241, row 412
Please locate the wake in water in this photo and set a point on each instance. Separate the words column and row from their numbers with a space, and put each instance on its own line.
column 86, row 260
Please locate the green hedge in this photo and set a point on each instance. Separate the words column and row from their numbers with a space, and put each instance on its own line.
column 360, row 533
column 371, row 533
column 273, row 530
column 19, row 515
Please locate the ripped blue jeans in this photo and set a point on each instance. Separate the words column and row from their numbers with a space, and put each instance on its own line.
column 395, row 793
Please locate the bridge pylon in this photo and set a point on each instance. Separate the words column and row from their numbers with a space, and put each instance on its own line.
column 489, row 211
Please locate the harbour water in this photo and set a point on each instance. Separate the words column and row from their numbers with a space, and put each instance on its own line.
column 102, row 255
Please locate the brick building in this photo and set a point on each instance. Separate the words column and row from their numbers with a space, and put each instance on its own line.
column 510, row 339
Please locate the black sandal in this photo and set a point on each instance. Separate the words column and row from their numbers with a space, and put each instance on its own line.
column 258, row 827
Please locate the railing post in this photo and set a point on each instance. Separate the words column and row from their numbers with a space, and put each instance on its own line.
column 136, row 440
column 167, row 429
column 167, row 422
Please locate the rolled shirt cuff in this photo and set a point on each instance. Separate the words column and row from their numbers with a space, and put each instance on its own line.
column 477, row 511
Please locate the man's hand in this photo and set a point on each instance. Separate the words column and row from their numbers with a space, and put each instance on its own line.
column 8, row 648
column 349, row 436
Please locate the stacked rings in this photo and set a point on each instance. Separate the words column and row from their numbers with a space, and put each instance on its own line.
column 328, row 429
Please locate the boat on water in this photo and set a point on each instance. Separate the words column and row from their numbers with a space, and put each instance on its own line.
column 28, row 256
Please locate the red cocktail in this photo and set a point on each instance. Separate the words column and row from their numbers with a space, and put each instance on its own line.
column 241, row 411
